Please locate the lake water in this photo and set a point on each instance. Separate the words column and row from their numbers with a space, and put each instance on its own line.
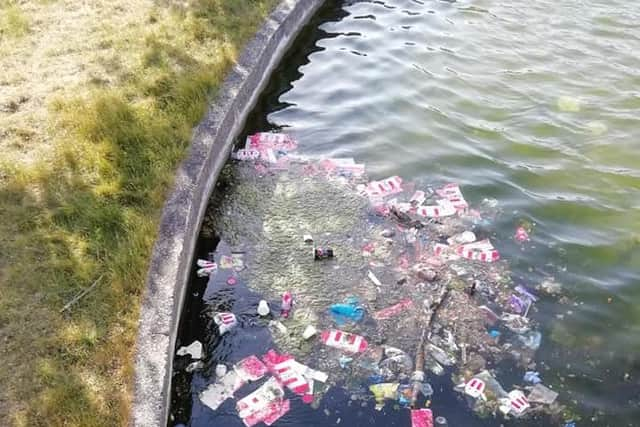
column 534, row 104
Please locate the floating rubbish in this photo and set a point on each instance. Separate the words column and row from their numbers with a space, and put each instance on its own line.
column 442, row 209
column 441, row 356
column 427, row 246
column 531, row 339
column 221, row 370
column 518, row 306
column 441, row 422
column 541, row 394
column 479, row 251
column 250, row 369
column 474, row 388
column 462, row 238
column 434, row 366
column 515, row 323
column 376, row 190
column 265, row 141
column 237, row 261
column 224, row 388
column 245, row 155
column 518, row 401
column 405, row 393
column 426, row 390
column 344, row 361
column 263, row 308
column 206, row 267
column 418, row 198
column 374, row 279
column 226, row 262
column 225, row 322
column 267, row 404
column 286, row 305
column 345, row 167
column 382, row 392
column 309, row 332
column 322, row 253
column 348, row 311
column 394, row 362
column 194, row 349
column 297, row 377
column 421, row 418
column 452, row 193
column 344, row 341
column 521, row 235
column 532, row 377
column 194, row 366
column 550, row 286
column 394, row 310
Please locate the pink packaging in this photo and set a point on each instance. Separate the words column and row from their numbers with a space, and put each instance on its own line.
column 394, row 310
column 421, row 418
column 250, row 369
column 287, row 304
column 267, row 404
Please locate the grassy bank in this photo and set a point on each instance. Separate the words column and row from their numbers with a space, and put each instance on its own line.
column 96, row 110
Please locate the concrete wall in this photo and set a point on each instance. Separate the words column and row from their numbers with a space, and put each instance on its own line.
column 182, row 215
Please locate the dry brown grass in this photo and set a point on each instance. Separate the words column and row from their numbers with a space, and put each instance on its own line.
column 97, row 102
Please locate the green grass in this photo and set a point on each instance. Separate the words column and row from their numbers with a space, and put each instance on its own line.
column 13, row 22
column 92, row 208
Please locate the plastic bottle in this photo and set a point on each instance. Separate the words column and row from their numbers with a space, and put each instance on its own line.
column 263, row 308
column 287, row 303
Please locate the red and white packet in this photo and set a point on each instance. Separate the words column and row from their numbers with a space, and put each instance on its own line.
column 481, row 250
column 294, row 375
column 267, row 404
column 344, row 341
column 377, row 190
column 452, row 193
column 225, row 322
column 519, row 403
column 442, row 209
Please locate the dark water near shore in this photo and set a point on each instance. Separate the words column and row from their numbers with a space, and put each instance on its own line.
column 534, row 104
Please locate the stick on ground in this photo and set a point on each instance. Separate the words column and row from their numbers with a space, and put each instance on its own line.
column 81, row 295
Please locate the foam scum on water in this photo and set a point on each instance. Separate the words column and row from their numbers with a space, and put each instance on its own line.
column 416, row 259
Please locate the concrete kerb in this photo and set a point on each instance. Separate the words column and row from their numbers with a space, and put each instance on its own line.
column 184, row 210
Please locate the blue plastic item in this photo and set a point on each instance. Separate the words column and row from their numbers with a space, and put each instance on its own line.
column 532, row 377
column 350, row 310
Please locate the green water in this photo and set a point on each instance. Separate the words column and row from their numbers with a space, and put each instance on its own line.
column 534, row 104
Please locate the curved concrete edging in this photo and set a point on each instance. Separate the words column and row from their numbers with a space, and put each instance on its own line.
column 184, row 210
